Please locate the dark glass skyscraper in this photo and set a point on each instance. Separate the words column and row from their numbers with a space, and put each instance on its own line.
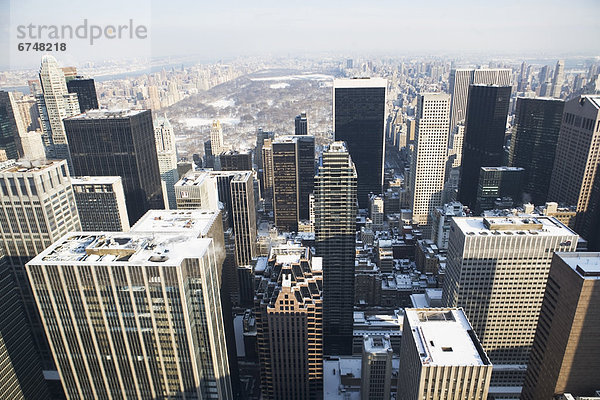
column 110, row 143
column 301, row 124
column 9, row 134
column 359, row 120
column 487, row 109
column 533, row 144
column 86, row 93
column 335, row 228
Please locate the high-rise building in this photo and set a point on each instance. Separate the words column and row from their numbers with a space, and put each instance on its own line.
column 267, row 167
column 566, row 354
column 335, row 229
column 33, row 146
column 86, row 93
column 243, row 215
column 261, row 136
column 197, row 190
column 233, row 160
column 21, row 376
column 461, row 78
column 376, row 368
column 577, row 157
column 458, row 137
column 496, row 270
column 441, row 223
column 119, row 143
column 101, row 203
column 301, row 124
column 9, row 132
column 499, row 183
column 216, row 138
column 293, row 179
column 485, row 127
column 55, row 104
column 429, row 162
column 558, row 80
column 209, row 158
column 133, row 314
column 167, row 156
column 38, row 208
column 533, row 143
column 441, row 357
column 359, row 120
column 289, row 321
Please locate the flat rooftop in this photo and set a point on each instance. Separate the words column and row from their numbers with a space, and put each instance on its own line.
column 503, row 169
column 197, row 221
column 587, row 265
column 511, row 225
column 444, row 336
column 95, row 180
column 377, row 344
column 118, row 248
column 359, row 82
column 22, row 166
column 106, row 114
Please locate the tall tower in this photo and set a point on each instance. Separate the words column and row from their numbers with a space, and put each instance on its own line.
column 58, row 104
column 119, row 143
column 566, row 354
column 485, row 127
column 293, row 179
column 577, row 157
column 86, row 93
column 359, row 120
column 301, row 124
column 429, row 163
column 9, row 132
column 243, row 214
column 533, row 143
column 216, row 138
column 289, row 321
column 101, row 203
column 558, row 80
column 133, row 314
column 376, row 368
column 167, row 156
column 497, row 271
column 335, row 229
column 441, row 357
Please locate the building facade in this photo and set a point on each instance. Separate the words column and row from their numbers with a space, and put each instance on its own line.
column 101, row 203
column 167, row 157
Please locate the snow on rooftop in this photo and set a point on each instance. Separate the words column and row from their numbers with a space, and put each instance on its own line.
column 538, row 225
column 585, row 264
column 199, row 221
column 94, row 180
column 359, row 82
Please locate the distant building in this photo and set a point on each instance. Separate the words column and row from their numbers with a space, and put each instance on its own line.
column 566, row 354
column 167, row 157
column 499, row 182
column 376, row 368
column 101, row 203
column 301, row 124
column 441, row 223
column 441, row 357
column 86, row 93
column 558, row 80
column 233, row 160
column 359, row 120
column 216, row 138
column 9, row 133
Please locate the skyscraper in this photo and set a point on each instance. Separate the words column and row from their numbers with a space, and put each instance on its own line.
column 216, row 138
column 577, row 157
column 499, row 183
column 429, row 163
column 233, row 160
column 461, row 78
column 38, row 208
column 558, row 80
column 335, row 228
column 441, row 357
column 376, row 368
column 497, row 271
column 301, row 124
column 485, row 127
column 86, row 93
column 267, row 170
column 243, row 215
column 119, row 143
column 101, row 203
column 293, row 179
column 133, row 314
column 9, row 133
column 167, row 156
column 55, row 104
column 289, row 317
column 359, row 120
column 566, row 354
column 533, row 143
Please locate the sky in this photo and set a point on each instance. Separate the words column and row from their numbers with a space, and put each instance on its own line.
column 225, row 29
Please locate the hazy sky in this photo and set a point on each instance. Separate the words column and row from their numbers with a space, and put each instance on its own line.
column 215, row 29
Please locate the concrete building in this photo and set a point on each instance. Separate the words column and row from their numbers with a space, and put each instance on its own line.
column 376, row 368
column 289, row 320
column 133, row 314
column 497, row 269
column 441, row 357
column 216, row 138
column 243, row 215
column 558, row 80
column 429, row 163
column 566, row 354
column 167, row 156
column 197, row 190
column 101, row 203
column 441, row 223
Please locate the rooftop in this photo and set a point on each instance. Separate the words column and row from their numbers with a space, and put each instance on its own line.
column 510, row 225
column 377, row 344
column 359, row 82
column 95, row 180
column 118, row 248
column 21, row 166
column 106, row 114
column 444, row 336
column 198, row 221
column 502, row 169
column 587, row 265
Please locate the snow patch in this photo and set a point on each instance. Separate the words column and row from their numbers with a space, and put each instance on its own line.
column 223, row 103
column 196, row 122
column 281, row 85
